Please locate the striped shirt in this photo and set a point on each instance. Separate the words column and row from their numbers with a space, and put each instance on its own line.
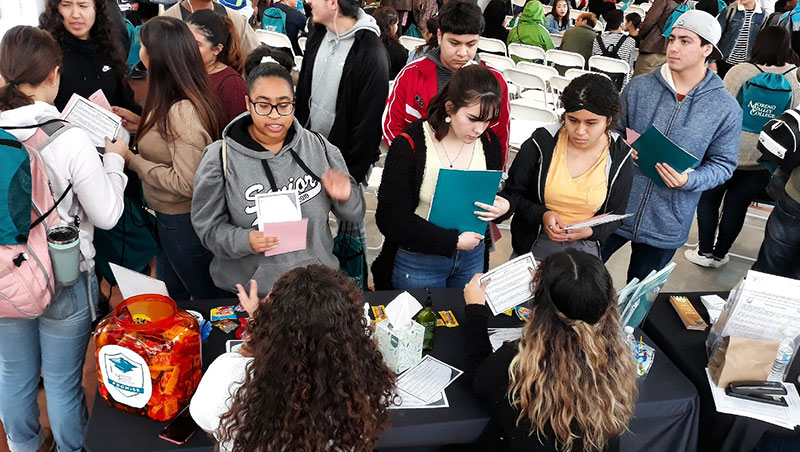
column 741, row 51
column 627, row 52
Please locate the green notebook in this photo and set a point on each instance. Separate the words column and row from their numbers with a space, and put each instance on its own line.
column 653, row 147
column 454, row 199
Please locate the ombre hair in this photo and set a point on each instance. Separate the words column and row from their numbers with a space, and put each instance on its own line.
column 175, row 73
column 574, row 379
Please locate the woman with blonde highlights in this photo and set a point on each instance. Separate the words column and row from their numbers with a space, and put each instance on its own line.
column 571, row 379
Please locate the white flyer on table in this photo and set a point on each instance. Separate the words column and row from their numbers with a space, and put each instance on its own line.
column 98, row 122
column 786, row 417
column 427, row 379
column 133, row 283
column 278, row 207
column 596, row 221
column 509, row 284
column 405, row 401
column 767, row 308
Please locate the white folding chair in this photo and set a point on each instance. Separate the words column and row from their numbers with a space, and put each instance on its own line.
column 574, row 73
column 573, row 15
column 635, row 9
column 492, row 45
column 301, row 42
column 547, row 9
column 610, row 65
column 525, row 81
column 528, row 113
column 544, row 72
column 556, row 38
column 274, row 39
column 501, row 63
column 558, row 84
column 298, row 62
column 526, row 52
column 520, row 3
column 564, row 58
column 411, row 43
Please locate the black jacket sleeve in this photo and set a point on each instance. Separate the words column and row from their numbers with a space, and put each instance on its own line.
column 477, row 345
column 398, row 199
column 365, row 130
column 523, row 181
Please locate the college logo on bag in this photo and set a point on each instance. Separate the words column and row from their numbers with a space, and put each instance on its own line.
column 126, row 375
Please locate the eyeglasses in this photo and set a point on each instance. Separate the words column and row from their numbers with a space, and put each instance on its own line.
column 265, row 108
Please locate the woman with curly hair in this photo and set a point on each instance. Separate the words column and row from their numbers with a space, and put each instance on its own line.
column 570, row 380
column 93, row 56
column 307, row 377
column 178, row 121
column 570, row 172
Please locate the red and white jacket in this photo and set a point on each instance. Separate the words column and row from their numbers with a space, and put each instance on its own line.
column 413, row 90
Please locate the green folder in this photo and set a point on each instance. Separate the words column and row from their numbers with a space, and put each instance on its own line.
column 653, row 147
column 454, row 199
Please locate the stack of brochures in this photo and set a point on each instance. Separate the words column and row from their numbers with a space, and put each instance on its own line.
column 762, row 307
column 635, row 299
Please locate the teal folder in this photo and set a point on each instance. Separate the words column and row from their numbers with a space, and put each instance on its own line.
column 653, row 147
column 454, row 199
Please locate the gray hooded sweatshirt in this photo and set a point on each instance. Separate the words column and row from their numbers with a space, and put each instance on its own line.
column 224, row 217
column 327, row 72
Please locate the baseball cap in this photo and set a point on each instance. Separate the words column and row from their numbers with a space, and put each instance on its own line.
column 704, row 25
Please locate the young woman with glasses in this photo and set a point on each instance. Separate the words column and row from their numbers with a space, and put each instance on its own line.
column 265, row 152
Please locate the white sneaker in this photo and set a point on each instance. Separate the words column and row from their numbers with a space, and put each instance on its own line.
column 717, row 263
column 696, row 258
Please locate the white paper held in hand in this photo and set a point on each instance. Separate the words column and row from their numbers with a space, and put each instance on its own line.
column 98, row 122
column 278, row 207
column 427, row 379
column 133, row 283
column 402, row 310
column 509, row 284
column 596, row 221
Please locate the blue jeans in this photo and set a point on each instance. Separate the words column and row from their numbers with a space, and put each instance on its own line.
column 644, row 258
column 183, row 262
column 781, row 246
column 53, row 346
column 419, row 270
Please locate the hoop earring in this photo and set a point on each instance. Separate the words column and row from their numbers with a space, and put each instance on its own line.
column 447, row 119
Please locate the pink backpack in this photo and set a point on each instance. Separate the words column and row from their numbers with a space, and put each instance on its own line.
column 27, row 209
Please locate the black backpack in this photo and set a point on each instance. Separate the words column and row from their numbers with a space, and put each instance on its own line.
column 778, row 143
column 613, row 52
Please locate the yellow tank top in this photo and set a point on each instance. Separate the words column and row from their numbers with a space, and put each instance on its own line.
column 574, row 198
column 431, row 173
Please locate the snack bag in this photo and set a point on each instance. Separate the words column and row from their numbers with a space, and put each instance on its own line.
column 148, row 357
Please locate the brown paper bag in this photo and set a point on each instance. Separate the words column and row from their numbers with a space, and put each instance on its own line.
column 741, row 359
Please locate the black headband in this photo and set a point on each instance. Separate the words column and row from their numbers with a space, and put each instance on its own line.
column 577, row 105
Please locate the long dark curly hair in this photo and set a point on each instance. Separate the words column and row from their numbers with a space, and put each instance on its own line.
column 102, row 32
column 317, row 381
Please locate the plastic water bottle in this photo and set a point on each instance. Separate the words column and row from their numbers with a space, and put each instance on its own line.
column 630, row 339
column 781, row 364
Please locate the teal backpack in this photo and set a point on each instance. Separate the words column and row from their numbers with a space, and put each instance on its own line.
column 274, row 20
column 763, row 97
column 673, row 17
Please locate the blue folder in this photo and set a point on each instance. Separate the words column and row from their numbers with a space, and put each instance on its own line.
column 454, row 199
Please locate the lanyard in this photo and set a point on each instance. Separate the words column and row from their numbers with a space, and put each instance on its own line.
column 297, row 159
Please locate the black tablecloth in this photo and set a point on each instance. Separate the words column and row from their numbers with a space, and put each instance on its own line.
column 686, row 349
column 665, row 418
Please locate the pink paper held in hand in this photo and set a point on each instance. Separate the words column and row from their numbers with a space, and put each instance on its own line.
column 630, row 136
column 291, row 233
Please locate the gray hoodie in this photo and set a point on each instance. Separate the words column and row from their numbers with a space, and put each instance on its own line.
column 327, row 72
column 223, row 219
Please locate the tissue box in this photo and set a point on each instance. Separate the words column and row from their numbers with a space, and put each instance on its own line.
column 401, row 349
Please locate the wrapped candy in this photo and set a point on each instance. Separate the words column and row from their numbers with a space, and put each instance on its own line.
column 148, row 357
